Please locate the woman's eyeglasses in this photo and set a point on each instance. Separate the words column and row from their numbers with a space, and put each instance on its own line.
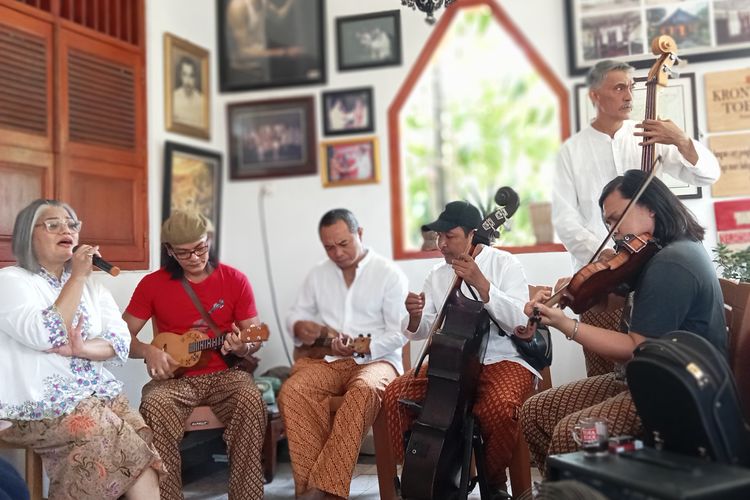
column 183, row 254
column 59, row 226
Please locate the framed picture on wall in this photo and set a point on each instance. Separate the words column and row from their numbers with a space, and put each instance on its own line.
column 186, row 88
column 270, row 43
column 349, row 162
column 272, row 138
column 704, row 30
column 348, row 111
column 676, row 102
column 369, row 40
column 192, row 181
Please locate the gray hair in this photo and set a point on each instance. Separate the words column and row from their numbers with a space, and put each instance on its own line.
column 23, row 228
column 339, row 214
column 598, row 72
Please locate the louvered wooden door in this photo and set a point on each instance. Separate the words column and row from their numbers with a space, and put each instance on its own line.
column 77, row 134
column 103, row 146
column 26, row 138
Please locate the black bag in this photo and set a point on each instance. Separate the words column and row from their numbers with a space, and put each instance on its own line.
column 686, row 397
column 538, row 350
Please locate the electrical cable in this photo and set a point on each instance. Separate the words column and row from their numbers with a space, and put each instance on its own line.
column 269, row 273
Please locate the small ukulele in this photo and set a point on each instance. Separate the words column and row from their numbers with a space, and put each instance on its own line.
column 187, row 349
column 322, row 345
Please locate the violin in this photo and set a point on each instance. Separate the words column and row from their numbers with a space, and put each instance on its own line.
column 598, row 278
column 435, row 464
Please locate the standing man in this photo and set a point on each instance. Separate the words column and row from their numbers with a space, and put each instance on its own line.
column 498, row 280
column 227, row 299
column 355, row 292
column 608, row 147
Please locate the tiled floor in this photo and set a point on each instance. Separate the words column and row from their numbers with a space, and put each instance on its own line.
column 213, row 487
column 364, row 484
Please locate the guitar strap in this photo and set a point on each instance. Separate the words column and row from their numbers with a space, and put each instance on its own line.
column 230, row 360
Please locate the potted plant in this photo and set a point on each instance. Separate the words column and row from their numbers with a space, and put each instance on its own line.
column 734, row 264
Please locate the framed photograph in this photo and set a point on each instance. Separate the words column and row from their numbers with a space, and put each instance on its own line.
column 704, row 30
column 349, row 162
column 270, row 43
column 192, row 181
column 186, row 88
column 676, row 102
column 272, row 138
column 348, row 111
column 369, row 40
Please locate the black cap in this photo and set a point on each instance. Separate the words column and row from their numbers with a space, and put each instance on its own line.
column 456, row 213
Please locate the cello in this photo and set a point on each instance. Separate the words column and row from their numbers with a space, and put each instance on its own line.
column 619, row 274
column 436, row 461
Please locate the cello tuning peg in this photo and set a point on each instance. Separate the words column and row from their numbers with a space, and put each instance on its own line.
column 671, row 72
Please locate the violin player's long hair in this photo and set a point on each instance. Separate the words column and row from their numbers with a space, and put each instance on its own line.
column 673, row 221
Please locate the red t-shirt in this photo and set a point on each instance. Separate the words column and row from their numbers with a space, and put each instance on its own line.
column 226, row 295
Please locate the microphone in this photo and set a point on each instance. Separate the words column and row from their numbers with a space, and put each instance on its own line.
column 102, row 264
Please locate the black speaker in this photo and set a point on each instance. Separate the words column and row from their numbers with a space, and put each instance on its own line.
column 651, row 474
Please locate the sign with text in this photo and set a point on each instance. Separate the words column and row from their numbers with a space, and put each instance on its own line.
column 728, row 100
column 733, row 153
column 733, row 223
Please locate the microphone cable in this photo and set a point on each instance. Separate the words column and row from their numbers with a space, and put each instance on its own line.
column 264, row 191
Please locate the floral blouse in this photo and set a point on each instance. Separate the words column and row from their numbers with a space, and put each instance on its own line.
column 35, row 384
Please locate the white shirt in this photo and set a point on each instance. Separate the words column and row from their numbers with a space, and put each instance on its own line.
column 509, row 292
column 588, row 161
column 188, row 109
column 373, row 303
column 39, row 385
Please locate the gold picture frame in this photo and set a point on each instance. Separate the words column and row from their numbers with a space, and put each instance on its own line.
column 350, row 162
column 186, row 88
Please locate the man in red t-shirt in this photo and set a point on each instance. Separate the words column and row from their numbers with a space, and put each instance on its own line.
column 167, row 400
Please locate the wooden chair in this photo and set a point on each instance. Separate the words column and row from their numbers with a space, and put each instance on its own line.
column 34, row 470
column 737, row 313
column 202, row 418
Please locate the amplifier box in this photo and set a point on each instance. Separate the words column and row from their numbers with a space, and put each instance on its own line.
column 649, row 474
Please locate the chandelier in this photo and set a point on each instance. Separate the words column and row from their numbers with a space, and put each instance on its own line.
column 427, row 6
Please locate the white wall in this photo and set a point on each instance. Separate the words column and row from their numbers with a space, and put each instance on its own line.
column 294, row 205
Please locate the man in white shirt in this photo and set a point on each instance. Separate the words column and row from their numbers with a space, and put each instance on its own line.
column 498, row 280
column 608, row 147
column 187, row 98
column 355, row 292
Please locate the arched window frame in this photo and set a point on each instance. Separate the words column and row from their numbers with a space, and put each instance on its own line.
column 394, row 111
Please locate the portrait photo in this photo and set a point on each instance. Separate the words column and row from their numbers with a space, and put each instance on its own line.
column 349, row 111
column 270, row 43
column 272, row 138
column 369, row 40
column 192, row 182
column 348, row 162
column 186, row 90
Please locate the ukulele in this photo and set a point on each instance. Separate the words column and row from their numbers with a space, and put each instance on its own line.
column 321, row 347
column 187, row 349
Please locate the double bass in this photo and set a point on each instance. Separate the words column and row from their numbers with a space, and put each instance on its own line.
column 439, row 450
column 619, row 274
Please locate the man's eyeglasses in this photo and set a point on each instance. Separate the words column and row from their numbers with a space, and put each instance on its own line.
column 58, row 226
column 184, row 254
